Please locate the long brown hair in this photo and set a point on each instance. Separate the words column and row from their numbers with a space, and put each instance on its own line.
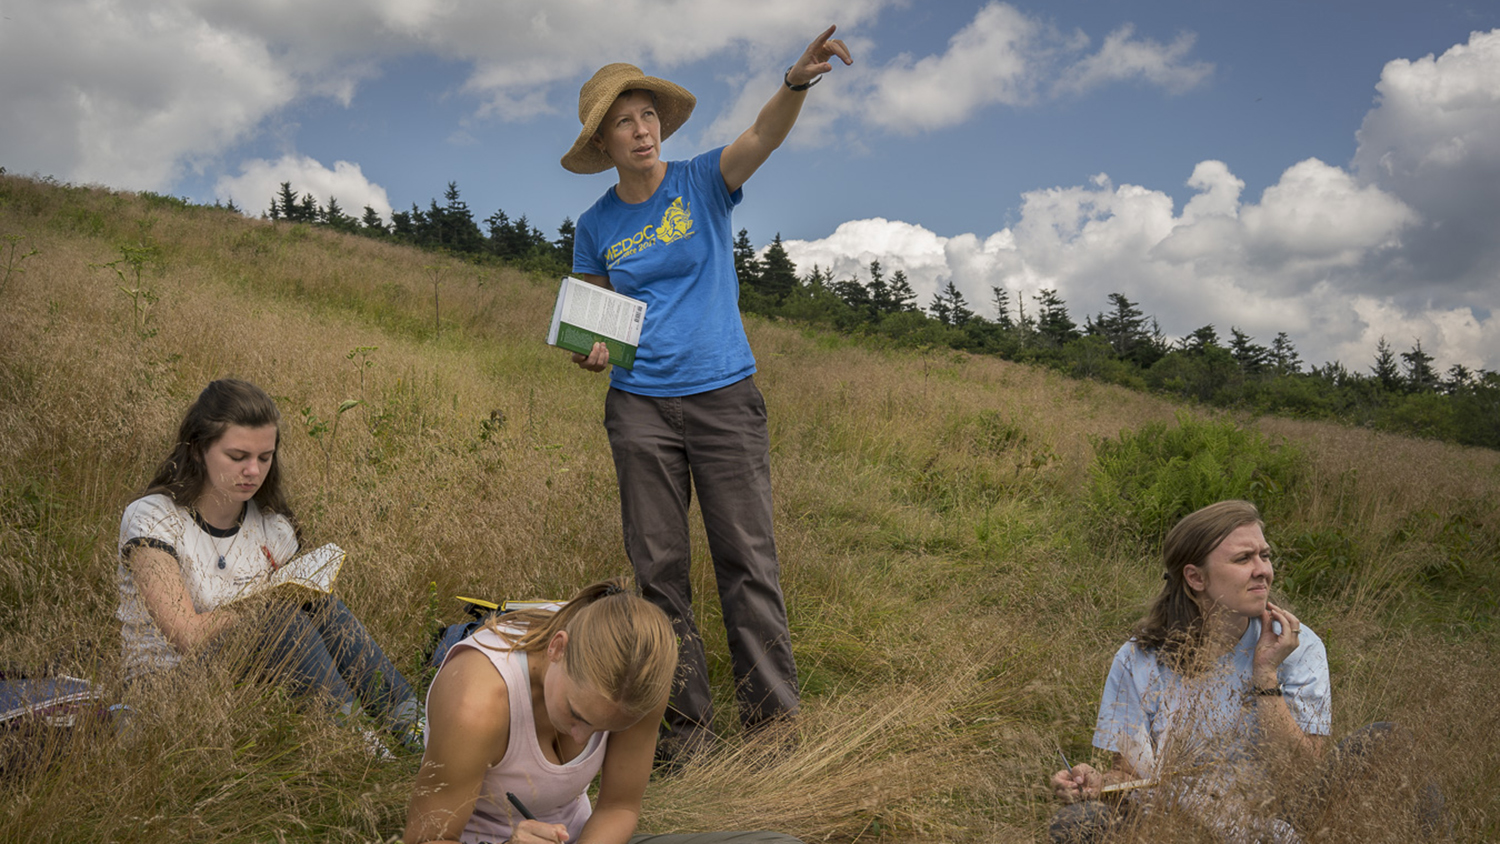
column 183, row 476
column 1173, row 626
column 619, row 644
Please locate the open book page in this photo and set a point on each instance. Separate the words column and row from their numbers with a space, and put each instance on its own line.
column 532, row 605
column 1122, row 787
column 586, row 313
column 315, row 570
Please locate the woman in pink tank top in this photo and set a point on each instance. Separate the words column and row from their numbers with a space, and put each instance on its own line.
column 537, row 707
column 537, row 704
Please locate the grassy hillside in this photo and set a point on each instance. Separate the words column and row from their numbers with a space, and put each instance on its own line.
column 961, row 538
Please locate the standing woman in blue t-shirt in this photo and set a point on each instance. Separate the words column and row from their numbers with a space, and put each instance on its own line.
column 688, row 414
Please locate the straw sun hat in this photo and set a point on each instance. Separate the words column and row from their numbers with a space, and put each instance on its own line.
column 673, row 105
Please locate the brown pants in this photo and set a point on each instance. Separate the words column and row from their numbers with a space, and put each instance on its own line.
column 717, row 442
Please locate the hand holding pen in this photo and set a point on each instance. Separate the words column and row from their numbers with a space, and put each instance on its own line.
column 1073, row 784
column 532, row 830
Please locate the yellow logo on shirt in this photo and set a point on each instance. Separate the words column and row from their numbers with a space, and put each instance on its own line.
column 676, row 224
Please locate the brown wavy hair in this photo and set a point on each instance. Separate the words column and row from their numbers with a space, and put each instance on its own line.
column 619, row 644
column 1173, row 626
column 183, row 475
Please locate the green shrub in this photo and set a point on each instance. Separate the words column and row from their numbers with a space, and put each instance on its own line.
column 1146, row 480
column 1317, row 561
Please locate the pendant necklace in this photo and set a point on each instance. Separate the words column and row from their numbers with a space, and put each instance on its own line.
column 239, row 528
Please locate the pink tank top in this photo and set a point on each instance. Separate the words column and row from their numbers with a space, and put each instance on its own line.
column 554, row 793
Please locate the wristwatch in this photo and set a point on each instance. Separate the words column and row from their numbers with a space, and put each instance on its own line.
column 786, row 79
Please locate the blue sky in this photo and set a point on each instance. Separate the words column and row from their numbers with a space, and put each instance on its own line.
column 1330, row 169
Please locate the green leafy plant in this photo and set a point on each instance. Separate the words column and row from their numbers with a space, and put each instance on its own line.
column 14, row 258
column 364, row 363
column 317, row 427
column 130, row 267
column 1146, row 480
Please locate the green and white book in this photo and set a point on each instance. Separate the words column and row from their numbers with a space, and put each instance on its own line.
column 586, row 313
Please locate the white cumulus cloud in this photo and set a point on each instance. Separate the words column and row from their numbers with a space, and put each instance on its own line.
column 1292, row 262
column 1005, row 57
column 1433, row 139
column 1401, row 245
column 1124, row 57
column 260, row 180
column 119, row 94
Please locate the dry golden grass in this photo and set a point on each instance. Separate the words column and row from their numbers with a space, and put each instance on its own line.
column 953, row 613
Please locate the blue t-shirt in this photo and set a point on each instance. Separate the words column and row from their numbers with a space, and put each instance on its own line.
column 1147, row 708
column 675, row 253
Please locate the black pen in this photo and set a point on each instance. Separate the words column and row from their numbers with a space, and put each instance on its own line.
column 520, row 807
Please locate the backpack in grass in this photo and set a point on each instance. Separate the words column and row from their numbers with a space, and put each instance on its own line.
column 479, row 611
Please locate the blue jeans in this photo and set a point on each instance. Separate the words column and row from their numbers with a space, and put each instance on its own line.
column 320, row 647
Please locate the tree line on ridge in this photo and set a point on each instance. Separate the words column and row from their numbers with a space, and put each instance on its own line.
column 1402, row 391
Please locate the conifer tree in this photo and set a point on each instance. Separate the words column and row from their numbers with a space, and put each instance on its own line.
column 285, row 202
column 453, row 225
column 308, row 211
column 500, row 233
column 778, row 274
column 1420, row 375
column 903, row 298
column 1002, row 307
column 1284, row 356
column 746, row 265
column 819, row 278
column 564, row 242
column 404, row 225
column 1124, row 327
column 939, row 308
column 1201, row 340
column 1252, row 357
column 949, row 308
column 855, row 295
column 527, row 236
column 1458, row 378
column 334, row 217
column 1385, row 369
column 1052, row 320
column 372, row 221
column 880, row 291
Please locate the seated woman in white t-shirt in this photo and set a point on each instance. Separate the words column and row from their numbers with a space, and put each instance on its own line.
column 214, row 520
column 1218, row 688
column 537, row 704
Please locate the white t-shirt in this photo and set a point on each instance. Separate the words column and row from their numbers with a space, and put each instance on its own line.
column 1148, row 708
column 216, row 566
column 1202, row 731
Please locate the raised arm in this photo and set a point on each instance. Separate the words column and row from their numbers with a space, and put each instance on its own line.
column 742, row 158
column 1281, row 729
